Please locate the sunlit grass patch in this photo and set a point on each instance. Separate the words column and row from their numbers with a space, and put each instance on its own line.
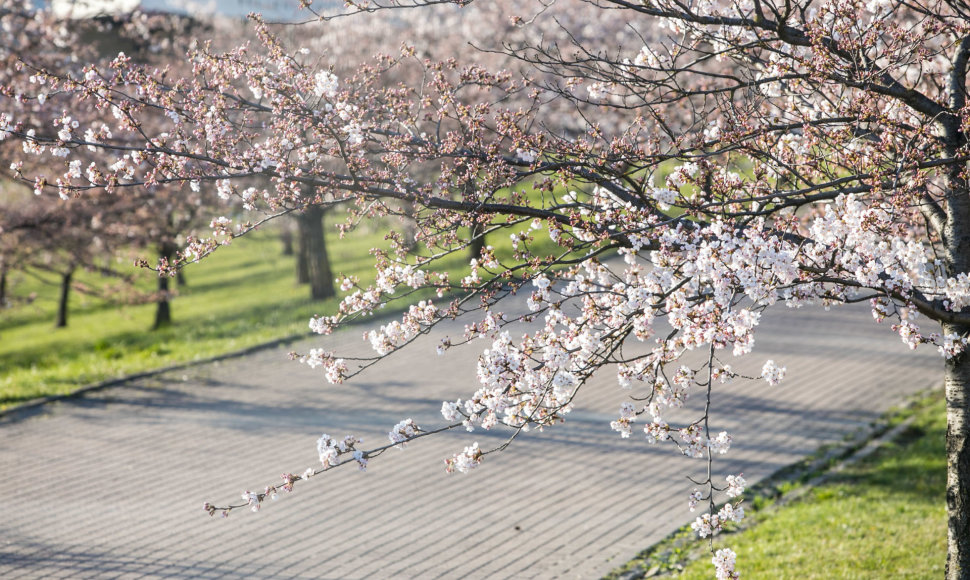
column 884, row 517
column 243, row 295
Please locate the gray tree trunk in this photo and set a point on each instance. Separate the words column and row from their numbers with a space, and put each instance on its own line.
column 956, row 242
column 163, row 310
column 477, row 243
column 957, row 386
column 302, row 269
column 956, row 237
column 63, row 298
column 313, row 260
column 286, row 237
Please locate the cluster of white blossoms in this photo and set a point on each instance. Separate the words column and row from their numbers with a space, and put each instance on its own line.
column 473, row 278
column 31, row 145
column 598, row 91
column 520, row 393
column 325, row 85
column 335, row 369
column 323, row 324
column 724, row 561
column 694, row 441
column 354, row 132
column 7, row 126
column 67, row 125
column 628, row 414
column 736, row 485
column 957, row 291
column 451, row 411
column 853, row 235
column 330, row 450
column 403, row 431
column 526, row 156
column 221, row 227
column 541, row 294
column 693, row 499
column 398, row 332
column 720, row 444
column 252, row 499
column 647, row 57
column 950, row 345
column 709, row 525
column 364, row 301
column 665, row 197
column 465, row 461
column 772, row 373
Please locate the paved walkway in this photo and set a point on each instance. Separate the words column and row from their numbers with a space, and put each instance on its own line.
column 111, row 485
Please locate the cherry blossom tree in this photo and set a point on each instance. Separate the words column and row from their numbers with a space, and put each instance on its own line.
column 39, row 237
column 664, row 171
column 38, row 234
column 68, row 233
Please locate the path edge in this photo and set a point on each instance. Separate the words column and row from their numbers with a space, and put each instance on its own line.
column 33, row 404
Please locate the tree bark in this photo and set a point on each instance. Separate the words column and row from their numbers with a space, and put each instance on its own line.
column 163, row 310
column 409, row 233
column 302, row 256
column 957, row 386
column 313, row 254
column 477, row 243
column 956, row 240
column 956, row 236
column 62, row 300
column 3, row 287
column 286, row 236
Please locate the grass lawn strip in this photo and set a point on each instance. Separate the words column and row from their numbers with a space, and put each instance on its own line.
column 241, row 297
column 872, row 507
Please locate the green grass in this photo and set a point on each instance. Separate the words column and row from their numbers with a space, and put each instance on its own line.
column 883, row 517
column 241, row 296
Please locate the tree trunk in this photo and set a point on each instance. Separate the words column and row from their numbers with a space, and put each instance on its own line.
column 409, row 233
column 286, row 236
column 3, row 287
column 956, row 382
column 163, row 310
column 957, row 386
column 477, row 237
column 313, row 254
column 477, row 243
column 302, row 256
column 62, row 301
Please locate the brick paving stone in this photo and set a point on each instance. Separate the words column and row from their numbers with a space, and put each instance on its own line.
column 110, row 485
